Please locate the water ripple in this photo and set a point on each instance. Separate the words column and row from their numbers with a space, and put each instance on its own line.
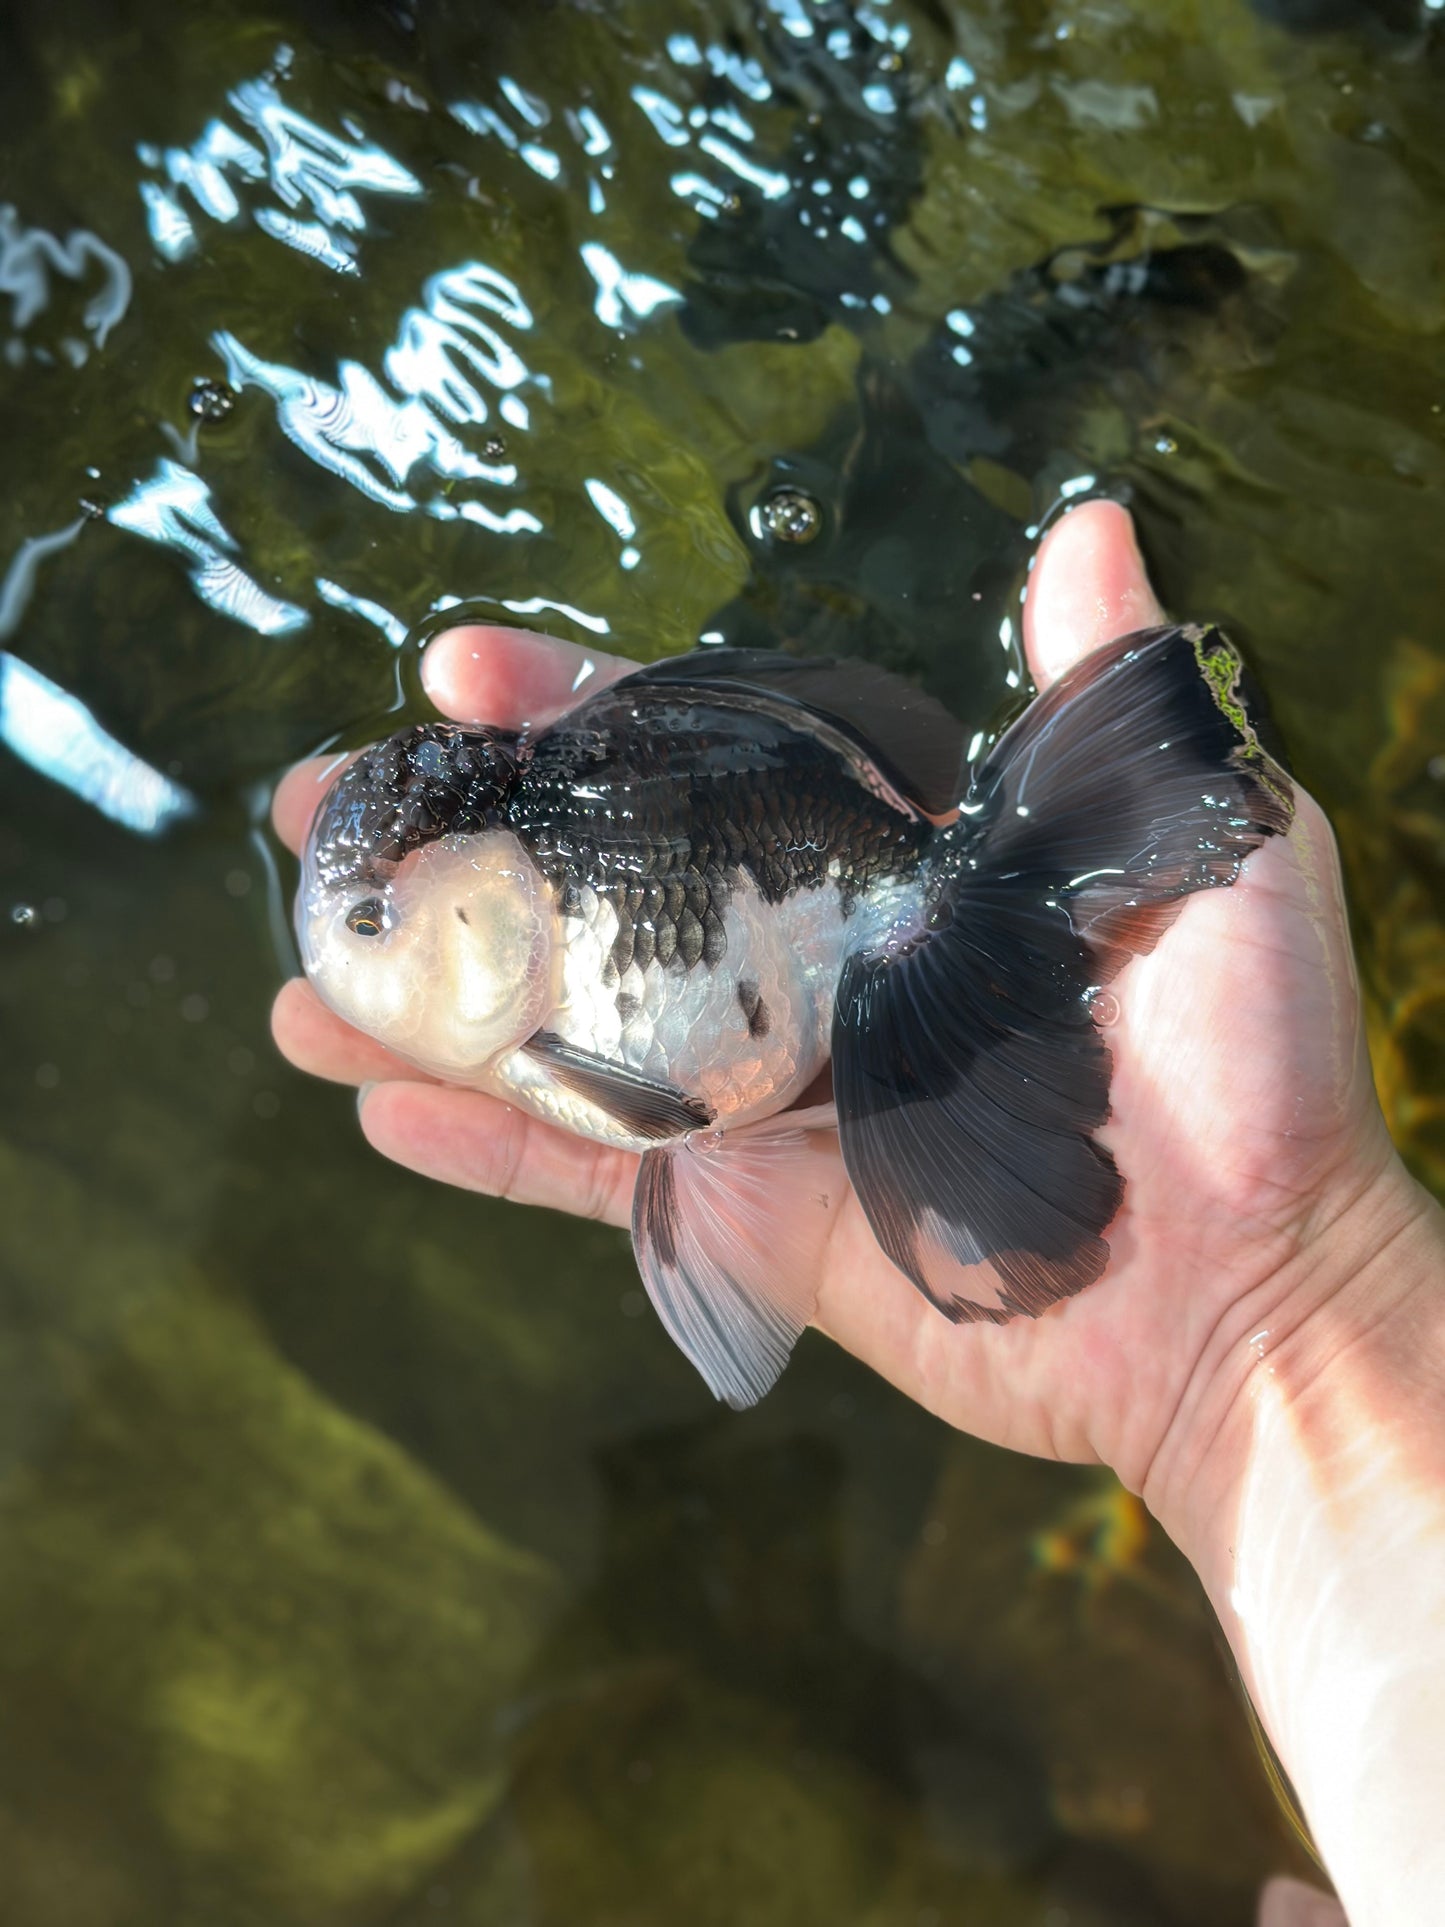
column 54, row 732
column 376, row 441
column 392, row 627
column 619, row 292
column 31, row 256
column 309, row 169
column 173, row 509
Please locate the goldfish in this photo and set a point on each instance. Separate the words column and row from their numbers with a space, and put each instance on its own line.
column 660, row 920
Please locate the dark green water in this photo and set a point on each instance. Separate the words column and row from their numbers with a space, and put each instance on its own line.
column 368, row 1553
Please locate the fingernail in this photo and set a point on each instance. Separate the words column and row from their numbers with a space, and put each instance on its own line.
column 363, row 1092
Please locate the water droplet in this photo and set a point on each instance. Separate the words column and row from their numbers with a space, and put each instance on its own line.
column 494, row 447
column 238, row 883
column 211, row 401
column 792, row 515
column 195, row 1009
column 25, row 916
column 47, row 1076
column 1104, row 1008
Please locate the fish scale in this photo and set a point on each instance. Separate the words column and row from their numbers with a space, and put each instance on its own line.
column 620, row 804
column 655, row 922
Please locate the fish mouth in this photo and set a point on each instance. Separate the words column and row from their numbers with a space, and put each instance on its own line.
column 430, row 781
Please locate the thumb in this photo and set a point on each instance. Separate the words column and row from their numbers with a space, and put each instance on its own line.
column 1088, row 586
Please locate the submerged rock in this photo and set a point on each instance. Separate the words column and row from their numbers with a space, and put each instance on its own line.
column 252, row 1658
column 1046, row 1603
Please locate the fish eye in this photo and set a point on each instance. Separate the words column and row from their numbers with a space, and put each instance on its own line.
column 366, row 919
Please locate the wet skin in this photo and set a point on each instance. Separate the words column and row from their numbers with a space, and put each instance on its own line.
column 1261, row 1357
column 1244, row 1117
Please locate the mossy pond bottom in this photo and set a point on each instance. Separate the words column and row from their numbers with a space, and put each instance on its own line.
column 368, row 1553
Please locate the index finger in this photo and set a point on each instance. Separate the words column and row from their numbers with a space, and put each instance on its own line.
column 478, row 673
column 482, row 673
column 298, row 794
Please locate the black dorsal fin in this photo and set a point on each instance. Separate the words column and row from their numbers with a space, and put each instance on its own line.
column 917, row 745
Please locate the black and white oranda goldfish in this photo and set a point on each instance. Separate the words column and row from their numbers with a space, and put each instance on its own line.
column 657, row 921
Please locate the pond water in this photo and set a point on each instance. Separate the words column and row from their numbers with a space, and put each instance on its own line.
column 369, row 1554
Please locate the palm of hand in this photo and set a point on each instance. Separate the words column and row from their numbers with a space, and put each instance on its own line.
column 1239, row 1085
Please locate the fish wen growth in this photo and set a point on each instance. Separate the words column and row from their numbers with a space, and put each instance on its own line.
column 656, row 922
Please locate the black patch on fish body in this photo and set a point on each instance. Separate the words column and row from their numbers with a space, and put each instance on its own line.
column 751, row 1003
column 661, row 802
column 418, row 785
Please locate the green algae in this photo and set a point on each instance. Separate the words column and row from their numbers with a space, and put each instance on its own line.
column 288, row 1640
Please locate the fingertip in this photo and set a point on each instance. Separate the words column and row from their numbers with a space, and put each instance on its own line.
column 480, row 1142
column 483, row 672
column 319, row 1042
column 390, row 1112
column 465, row 1138
column 1089, row 584
column 298, row 794
column 290, row 1001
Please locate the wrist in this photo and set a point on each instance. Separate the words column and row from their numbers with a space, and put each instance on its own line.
column 1310, row 1496
column 1328, row 1342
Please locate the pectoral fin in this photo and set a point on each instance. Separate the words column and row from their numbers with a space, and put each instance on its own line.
column 728, row 1233
column 649, row 1109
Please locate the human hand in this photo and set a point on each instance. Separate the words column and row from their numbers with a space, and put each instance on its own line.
column 1267, row 1228
column 1243, row 1120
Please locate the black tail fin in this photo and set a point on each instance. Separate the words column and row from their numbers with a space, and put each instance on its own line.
column 968, row 1070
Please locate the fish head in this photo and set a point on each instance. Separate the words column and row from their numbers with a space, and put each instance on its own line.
column 421, row 918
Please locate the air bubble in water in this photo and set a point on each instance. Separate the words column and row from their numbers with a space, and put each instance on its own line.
column 211, row 401
column 1104, row 1008
column 25, row 916
column 792, row 515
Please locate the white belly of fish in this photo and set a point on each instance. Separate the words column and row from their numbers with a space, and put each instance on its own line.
column 746, row 1034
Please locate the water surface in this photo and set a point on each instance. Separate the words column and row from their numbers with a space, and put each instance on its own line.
column 370, row 1555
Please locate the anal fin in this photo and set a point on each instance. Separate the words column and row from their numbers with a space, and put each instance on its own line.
column 728, row 1231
